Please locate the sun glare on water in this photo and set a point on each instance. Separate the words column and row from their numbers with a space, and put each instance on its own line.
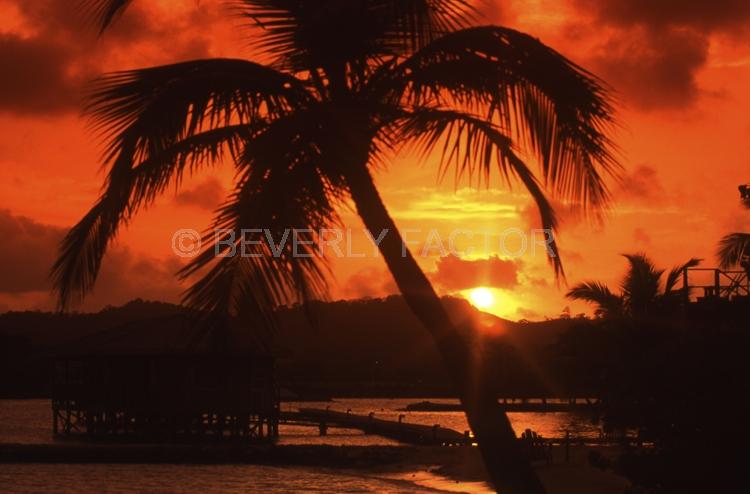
column 482, row 298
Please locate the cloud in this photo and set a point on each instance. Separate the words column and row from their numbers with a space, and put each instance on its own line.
column 206, row 195
column 41, row 60
column 126, row 275
column 654, row 69
column 29, row 249
column 369, row 282
column 568, row 214
column 571, row 256
column 26, row 253
column 454, row 273
column 655, row 49
column 642, row 185
column 463, row 205
column 35, row 76
column 713, row 15
column 641, row 237
column 51, row 52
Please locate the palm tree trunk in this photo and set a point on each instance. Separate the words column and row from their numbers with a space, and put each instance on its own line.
column 506, row 466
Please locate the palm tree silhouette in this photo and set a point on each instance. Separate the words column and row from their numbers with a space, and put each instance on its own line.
column 734, row 249
column 350, row 83
column 642, row 296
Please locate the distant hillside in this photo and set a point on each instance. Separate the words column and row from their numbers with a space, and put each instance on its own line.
column 368, row 346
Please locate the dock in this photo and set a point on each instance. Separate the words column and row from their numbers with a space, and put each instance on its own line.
column 542, row 405
column 398, row 430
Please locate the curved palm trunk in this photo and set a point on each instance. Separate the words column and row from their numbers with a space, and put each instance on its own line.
column 508, row 470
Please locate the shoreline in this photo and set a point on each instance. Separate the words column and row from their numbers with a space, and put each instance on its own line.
column 459, row 464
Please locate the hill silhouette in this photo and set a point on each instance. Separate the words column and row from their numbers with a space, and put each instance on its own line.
column 353, row 347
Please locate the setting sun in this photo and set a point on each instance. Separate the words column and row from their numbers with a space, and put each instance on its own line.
column 482, row 298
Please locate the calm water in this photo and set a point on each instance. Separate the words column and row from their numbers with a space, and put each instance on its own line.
column 29, row 422
column 210, row 479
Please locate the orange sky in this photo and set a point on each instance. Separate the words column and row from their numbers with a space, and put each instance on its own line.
column 681, row 69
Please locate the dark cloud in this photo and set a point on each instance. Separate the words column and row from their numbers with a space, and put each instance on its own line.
column 642, row 185
column 654, row 69
column 454, row 273
column 494, row 12
column 26, row 253
column 702, row 14
column 45, row 70
column 126, row 275
column 29, row 249
column 206, row 195
column 657, row 47
column 42, row 70
column 35, row 76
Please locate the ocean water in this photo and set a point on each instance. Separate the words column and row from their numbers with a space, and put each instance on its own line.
column 210, row 479
column 29, row 422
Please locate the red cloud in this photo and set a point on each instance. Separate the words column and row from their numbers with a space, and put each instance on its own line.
column 29, row 249
column 454, row 273
column 656, row 47
column 206, row 195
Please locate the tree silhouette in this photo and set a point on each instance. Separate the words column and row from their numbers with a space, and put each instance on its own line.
column 734, row 249
column 642, row 296
column 350, row 84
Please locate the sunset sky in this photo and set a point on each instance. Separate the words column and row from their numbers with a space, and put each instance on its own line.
column 681, row 69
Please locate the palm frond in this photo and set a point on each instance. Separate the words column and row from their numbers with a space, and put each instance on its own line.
column 551, row 106
column 82, row 250
column 171, row 101
column 745, row 195
column 104, row 12
column 473, row 146
column 305, row 35
column 144, row 112
column 607, row 303
column 160, row 122
column 414, row 24
column 673, row 277
column 640, row 287
column 733, row 249
column 282, row 195
column 127, row 189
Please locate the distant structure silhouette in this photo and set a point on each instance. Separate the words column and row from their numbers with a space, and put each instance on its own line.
column 734, row 249
column 646, row 292
column 165, row 379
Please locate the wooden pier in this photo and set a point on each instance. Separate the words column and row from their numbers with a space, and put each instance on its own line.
column 399, row 430
column 540, row 405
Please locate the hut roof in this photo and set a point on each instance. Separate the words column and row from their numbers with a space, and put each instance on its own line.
column 169, row 335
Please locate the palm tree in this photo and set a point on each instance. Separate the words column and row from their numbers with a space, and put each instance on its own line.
column 734, row 249
column 642, row 296
column 351, row 83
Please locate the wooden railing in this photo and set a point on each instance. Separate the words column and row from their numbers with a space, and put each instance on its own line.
column 711, row 283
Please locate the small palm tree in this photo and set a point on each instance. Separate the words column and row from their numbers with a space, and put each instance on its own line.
column 350, row 83
column 642, row 296
column 734, row 249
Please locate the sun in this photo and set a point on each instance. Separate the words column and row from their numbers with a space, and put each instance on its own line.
column 482, row 298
